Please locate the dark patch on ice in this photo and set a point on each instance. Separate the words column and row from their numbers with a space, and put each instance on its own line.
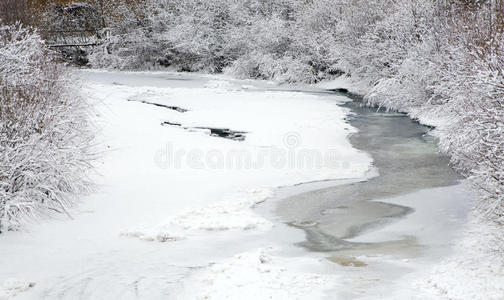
column 225, row 133
column 176, row 108
column 217, row 132
column 339, row 90
column 170, row 124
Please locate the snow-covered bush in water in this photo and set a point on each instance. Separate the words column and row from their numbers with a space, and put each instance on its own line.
column 45, row 137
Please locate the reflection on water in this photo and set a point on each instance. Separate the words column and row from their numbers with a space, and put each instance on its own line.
column 407, row 160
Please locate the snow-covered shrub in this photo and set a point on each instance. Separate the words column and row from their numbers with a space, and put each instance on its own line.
column 128, row 40
column 292, row 42
column 393, row 51
column 266, row 66
column 475, row 139
column 184, row 35
column 270, row 51
column 125, row 48
column 45, row 137
column 289, row 40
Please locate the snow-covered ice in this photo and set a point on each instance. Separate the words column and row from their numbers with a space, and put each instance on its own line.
column 258, row 275
column 13, row 287
column 232, row 213
column 173, row 213
column 189, row 188
column 474, row 271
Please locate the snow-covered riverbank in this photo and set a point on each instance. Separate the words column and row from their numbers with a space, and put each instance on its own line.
column 174, row 199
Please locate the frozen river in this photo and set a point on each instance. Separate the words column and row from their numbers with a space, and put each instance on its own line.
column 209, row 187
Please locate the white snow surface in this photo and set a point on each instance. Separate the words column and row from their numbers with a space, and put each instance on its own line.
column 162, row 184
column 258, row 275
column 474, row 271
column 13, row 287
column 232, row 213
